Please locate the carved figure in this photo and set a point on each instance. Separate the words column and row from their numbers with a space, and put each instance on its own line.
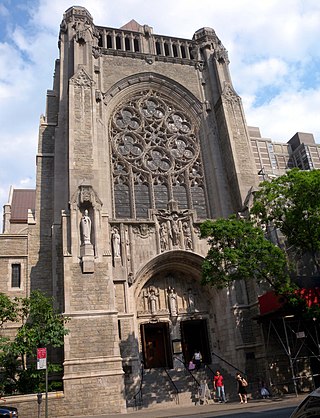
column 191, row 301
column 187, row 236
column 163, row 237
column 152, row 299
column 172, row 297
column 130, row 279
column 86, row 228
column 174, row 219
column 175, row 230
column 116, row 242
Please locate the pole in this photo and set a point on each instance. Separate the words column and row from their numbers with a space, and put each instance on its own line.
column 46, row 410
column 290, row 358
column 39, row 400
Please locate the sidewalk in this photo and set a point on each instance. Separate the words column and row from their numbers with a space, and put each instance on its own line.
column 196, row 410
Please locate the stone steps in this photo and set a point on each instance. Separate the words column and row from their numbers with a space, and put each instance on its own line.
column 158, row 390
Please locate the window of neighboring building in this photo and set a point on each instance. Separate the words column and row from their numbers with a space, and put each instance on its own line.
column 16, row 275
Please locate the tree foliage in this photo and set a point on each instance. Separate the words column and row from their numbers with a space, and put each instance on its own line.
column 39, row 326
column 239, row 250
column 8, row 309
column 292, row 204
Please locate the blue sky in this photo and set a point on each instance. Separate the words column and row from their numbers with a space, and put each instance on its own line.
column 273, row 49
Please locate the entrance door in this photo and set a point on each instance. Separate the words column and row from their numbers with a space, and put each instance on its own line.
column 155, row 344
column 194, row 335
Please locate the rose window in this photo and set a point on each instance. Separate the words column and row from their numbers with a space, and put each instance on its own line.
column 153, row 135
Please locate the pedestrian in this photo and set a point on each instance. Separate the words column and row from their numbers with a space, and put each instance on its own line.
column 191, row 365
column 264, row 390
column 218, row 387
column 242, row 384
column 197, row 358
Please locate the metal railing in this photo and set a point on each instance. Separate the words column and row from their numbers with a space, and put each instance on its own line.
column 173, row 385
column 189, row 371
column 229, row 364
column 138, row 395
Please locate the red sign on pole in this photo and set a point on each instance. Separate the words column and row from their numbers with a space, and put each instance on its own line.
column 41, row 358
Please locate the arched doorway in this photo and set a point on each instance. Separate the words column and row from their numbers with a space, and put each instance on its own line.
column 173, row 312
column 156, row 348
column 194, row 336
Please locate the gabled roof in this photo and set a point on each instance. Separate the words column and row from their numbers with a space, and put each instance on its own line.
column 133, row 26
column 22, row 200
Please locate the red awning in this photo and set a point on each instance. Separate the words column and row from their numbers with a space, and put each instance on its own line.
column 270, row 302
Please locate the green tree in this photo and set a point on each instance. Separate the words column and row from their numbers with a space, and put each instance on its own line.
column 40, row 326
column 8, row 309
column 239, row 248
column 291, row 203
column 239, row 251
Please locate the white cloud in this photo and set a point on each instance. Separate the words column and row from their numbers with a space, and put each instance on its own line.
column 286, row 114
column 260, row 74
column 3, row 10
column 273, row 49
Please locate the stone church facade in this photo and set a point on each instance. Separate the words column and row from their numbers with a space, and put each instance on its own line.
column 143, row 138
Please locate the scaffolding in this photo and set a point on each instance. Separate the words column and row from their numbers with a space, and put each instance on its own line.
column 292, row 353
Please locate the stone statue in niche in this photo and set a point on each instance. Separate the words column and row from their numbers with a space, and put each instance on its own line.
column 116, row 240
column 86, row 228
column 191, row 301
column 152, row 301
column 172, row 298
column 187, row 236
column 163, row 237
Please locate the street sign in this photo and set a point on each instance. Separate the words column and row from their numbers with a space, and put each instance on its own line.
column 41, row 358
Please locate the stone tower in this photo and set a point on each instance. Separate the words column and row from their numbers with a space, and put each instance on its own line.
column 144, row 138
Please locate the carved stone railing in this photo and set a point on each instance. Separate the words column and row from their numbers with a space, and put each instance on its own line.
column 145, row 43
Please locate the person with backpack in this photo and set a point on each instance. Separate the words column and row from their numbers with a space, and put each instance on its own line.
column 242, row 384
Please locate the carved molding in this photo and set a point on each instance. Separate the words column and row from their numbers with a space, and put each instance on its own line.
column 85, row 194
column 81, row 79
column 229, row 94
column 145, row 81
column 143, row 231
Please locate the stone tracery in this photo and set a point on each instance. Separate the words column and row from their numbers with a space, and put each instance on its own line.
column 153, row 136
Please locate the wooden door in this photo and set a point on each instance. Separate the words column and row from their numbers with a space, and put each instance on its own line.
column 155, row 344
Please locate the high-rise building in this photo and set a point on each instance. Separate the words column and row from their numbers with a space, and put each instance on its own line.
column 144, row 137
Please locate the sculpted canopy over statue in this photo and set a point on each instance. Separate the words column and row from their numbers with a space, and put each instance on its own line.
column 86, row 228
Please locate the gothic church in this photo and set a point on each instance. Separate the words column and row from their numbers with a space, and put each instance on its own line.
column 143, row 139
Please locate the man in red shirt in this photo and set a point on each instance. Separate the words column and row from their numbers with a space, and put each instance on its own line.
column 218, row 386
